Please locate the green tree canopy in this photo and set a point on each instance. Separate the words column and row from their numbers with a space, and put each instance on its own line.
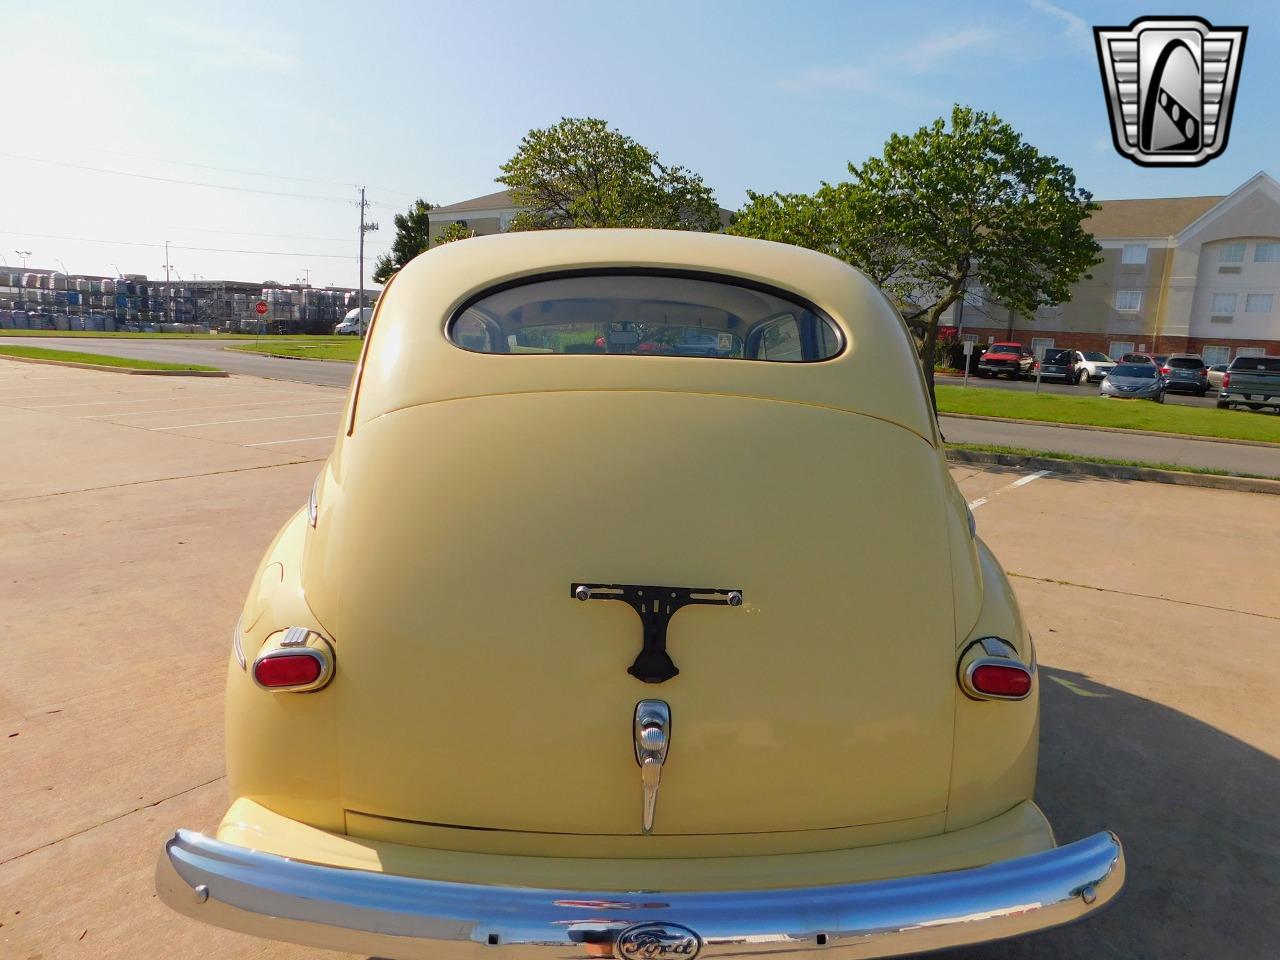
column 940, row 209
column 454, row 231
column 412, row 232
column 581, row 173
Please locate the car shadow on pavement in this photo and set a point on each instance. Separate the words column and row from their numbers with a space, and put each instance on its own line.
column 1198, row 812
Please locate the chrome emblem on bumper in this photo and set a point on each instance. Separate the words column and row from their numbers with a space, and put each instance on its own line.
column 657, row 941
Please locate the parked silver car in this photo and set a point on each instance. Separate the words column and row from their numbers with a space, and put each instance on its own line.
column 1134, row 381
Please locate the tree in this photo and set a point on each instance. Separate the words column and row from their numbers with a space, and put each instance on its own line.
column 581, row 173
column 454, row 231
column 412, row 233
column 940, row 209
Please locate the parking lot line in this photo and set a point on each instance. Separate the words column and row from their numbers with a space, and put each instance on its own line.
column 218, row 423
column 215, row 406
column 271, row 443
column 1022, row 481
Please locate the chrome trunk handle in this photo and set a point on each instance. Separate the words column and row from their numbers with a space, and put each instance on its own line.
column 652, row 735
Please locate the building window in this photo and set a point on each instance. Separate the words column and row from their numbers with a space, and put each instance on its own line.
column 968, row 338
column 1119, row 348
column 1251, row 352
column 1257, row 303
column 1266, row 253
column 1231, row 253
column 1040, row 344
column 1128, row 300
column 1213, row 356
column 1134, row 253
column 1222, row 304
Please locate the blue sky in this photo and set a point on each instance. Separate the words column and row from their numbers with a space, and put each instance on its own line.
column 429, row 98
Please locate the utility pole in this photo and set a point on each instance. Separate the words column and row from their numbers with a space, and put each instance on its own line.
column 168, row 290
column 364, row 228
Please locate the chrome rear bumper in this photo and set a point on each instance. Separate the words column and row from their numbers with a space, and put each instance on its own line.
column 405, row 917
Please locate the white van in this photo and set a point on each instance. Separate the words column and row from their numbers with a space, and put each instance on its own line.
column 356, row 322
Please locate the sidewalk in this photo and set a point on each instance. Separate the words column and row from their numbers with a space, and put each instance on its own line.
column 1235, row 457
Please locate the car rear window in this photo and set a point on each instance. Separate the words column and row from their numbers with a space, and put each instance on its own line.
column 1144, row 371
column 1186, row 363
column 1005, row 348
column 646, row 315
column 1094, row 357
column 1269, row 364
column 1056, row 356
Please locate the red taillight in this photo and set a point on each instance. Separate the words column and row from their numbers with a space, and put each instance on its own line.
column 998, row 680
column 288, row 670
column 1166, row 369
column 1226, row 380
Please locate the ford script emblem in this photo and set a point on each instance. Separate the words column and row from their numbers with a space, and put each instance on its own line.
column 658, row 941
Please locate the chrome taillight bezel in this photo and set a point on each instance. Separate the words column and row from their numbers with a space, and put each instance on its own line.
column 996, row 652
column 298, row 641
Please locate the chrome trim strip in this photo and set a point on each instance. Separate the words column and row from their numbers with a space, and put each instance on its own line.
column 394, row 916
column 237, row 643
column 313, row 501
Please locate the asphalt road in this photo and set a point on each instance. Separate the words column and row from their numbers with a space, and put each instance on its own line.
column 211, row 352
column 1238, row 458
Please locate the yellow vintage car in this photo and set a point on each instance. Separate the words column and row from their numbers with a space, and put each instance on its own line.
column 634, row 614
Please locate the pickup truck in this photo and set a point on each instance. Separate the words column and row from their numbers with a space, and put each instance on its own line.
column 1010, row 359
column 1252, row 381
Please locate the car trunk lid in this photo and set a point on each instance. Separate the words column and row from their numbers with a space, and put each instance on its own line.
column 477, row 692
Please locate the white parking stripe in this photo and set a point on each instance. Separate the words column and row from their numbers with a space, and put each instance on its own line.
column 215, row 406
column 1020, row 482
column 216, row 423
column 271, row 443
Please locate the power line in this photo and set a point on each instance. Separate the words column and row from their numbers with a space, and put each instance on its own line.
column 189, row 183
column 175, row 246
column 246, row 233
column 249, row 173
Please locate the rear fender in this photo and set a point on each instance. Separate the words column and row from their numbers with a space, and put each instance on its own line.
column 993, row 765
column 281, row 746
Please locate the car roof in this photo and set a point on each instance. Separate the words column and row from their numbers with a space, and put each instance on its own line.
column 409, row 360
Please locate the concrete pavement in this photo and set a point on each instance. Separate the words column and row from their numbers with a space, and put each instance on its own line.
column 125, row 563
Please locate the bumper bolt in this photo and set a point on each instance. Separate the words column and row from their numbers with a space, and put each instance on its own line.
column 735, row 598
column 202, row 892
column 1089, row 894
column 582, row 592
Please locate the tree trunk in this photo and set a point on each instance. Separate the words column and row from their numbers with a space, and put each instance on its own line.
column 928, row 348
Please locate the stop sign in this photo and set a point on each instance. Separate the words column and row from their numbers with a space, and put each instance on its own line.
column 261, row 307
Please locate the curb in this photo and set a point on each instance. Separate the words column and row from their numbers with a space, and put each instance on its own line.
column 1199, row 438
column 1111, row 471
column 286, row 356
column 107, row 369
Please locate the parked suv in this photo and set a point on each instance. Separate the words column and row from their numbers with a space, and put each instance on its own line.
column 1185, row 373
column 1096, row 365
column 1059, row 364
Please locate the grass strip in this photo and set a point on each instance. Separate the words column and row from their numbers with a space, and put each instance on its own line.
column 1102, row 412
column 127, row 335
column 96, row 359
column 347, row 348
column 1108, row 461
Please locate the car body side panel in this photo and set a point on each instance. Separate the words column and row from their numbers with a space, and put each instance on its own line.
column 819, row 703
